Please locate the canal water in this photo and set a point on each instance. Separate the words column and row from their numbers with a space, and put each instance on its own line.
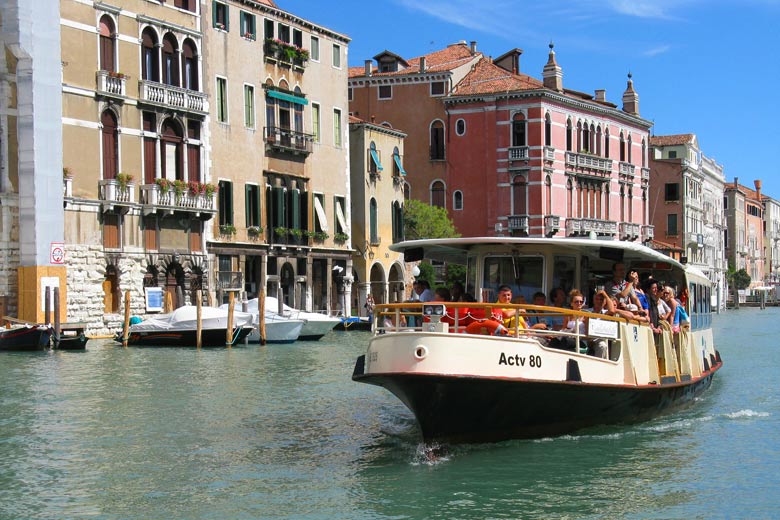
column 282, row 432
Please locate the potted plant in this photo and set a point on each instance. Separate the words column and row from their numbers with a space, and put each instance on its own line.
column 124, row 179
column 309, row 233
column 321, row 236
column 254, row 231
column 210, row 189
column 227, row 229
column 194, row 188
column 280, row 231
column 179, row 186
column 164, row 185
column 340, row 238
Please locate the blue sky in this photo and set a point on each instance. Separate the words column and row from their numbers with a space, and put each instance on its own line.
column 708, row 67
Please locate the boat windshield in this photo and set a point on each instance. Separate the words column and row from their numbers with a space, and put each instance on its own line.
column 524, row 274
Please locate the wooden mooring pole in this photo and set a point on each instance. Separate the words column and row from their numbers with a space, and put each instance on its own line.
column 199, row 331
column 261, row 315
column 126, row 329
column 229, row 328
column 57, row 327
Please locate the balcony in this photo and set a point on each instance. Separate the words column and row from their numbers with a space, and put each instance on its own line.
column 288, row 141
column 153, row 200
column 230, row 280
column 695, row 239
column 115, row 195
column 590, row 162
column 627, row 169
column 517, row 224
column 171, row 97
column 584, row 226
column 549, row 153
column 111, row 84
column 648, row 233
column 645, row 173
column 285, row 54
column 552, row 224
column 629, row 231
column 518, row 153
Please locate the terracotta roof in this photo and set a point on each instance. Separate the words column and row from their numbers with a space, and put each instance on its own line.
column 438, row 61
column 664, row 246
column 355, row 120
column 749, row 193
column 267, row 2
column 672, row 140
column 488, row 78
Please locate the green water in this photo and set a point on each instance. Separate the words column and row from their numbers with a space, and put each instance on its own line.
column 282, row 432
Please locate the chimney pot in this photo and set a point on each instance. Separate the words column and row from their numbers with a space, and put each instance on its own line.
column 423, row 66
column 473, row 47
column 368, row 67
column 601, row 94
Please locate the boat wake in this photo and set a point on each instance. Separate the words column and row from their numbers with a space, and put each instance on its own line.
column 746, row 414
column 430, row 454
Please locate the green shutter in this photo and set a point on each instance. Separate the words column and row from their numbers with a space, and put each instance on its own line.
column 214, row 13
column 227, row 17
column 279, row 207
column 304, row 211
column 295, row 209
column 248, row 204
column 257, row 209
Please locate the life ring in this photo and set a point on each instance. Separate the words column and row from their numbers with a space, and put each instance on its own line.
column 487, row 328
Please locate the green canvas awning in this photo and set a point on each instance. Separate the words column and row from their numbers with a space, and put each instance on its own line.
column 288, row 97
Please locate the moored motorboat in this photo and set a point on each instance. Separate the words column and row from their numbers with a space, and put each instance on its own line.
column 179, row 328
column 25, row 337
column 316, row 324
column 353, row 323
column 71, row 337
column 465, row 386
column 278, row 328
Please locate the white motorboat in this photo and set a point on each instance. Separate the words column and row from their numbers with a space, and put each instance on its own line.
column 179, row 328
column 315, row 325
column 278, row 328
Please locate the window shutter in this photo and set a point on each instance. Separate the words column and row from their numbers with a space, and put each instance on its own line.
column 304, row 211
column 227, row 17
column 248, row 204
column 279, row 207
column 295, row 209
column 213, row 13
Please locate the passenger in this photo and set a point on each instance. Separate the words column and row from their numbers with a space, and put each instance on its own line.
column 573, row 323
column 519, row 300
column 602, row 304
column 442, row 294
column 510, row 315
column 539, row 299
column 423, row 291
column 557, row 299
column 674, row 316
column 659, row 311
column 457, row 292
column 620, row 287
column 640, row 293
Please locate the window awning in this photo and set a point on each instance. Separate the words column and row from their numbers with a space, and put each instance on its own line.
column 321, row 214
column 397, row 159
column 375, row 158
column 340, row 218
column 287, row 97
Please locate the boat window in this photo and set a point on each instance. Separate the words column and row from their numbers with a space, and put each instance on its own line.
column 524, row 274
column 564, row 268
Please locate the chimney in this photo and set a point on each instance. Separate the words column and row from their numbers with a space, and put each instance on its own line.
column 422, row 65
column 757, row 184
column 473, row 47
column 369, row 67
column 552, row 74
column 630, row 98
column 736, row 182
column 601, row 94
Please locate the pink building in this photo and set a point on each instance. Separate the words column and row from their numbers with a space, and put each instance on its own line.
column 523, row 156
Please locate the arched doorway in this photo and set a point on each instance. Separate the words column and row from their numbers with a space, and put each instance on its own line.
column 112, row 296
column 287, row 283
column 378, row 284
column 396, row 284
column 174, row 285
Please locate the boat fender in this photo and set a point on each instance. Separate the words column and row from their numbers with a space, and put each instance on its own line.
column 487, row 328
column 420, row 352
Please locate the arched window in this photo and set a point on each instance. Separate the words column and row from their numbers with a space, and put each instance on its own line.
column 518, row 130
column 437, row 141
column 628, row 145
column 172, row 159
column 585, row 139
column 606, row 143
column 150, row 54
column 110, row 141
column 622, row 148
column 548, row 195
column 644, row 153
column 592, row 139
column 622, row 203
column 398, row 221
column 270, row 110
column 170, row 61
column 457, row 200
column 569, row 136
column 107, row 44
column 190, row 65
column 598, row 140
column 569, row 198
column 519, row 195
column 298, row 113
column 547, row 130
column 373, row 220
column 407, row 191
column 438, row 192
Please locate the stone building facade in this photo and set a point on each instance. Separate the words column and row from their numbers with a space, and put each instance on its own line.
column 744, row 236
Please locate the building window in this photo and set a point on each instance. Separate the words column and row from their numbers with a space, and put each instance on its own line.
column 585, row 139
column 569, row 198
column 150, row 56
column 398, row 222
column 222, row 101
column 547, row 130
column 437, row 88
column 629, row 146
column 350, row 94
column 172, row 159
column 225, row 194
column 190, row 65
column 548, row 195
column 519, row 195
column 284, row 33
column 398, row 168
column 460, row 127
column 337, row 128
column 644, row 154
column 341, row 219
column 248, row 28
column 569, row 136
column 437, row 141
column 373, row 221
column 220, row 16
column 598, row 141
column 315, row 122
column 187, row 5
column 672, row 192
column 606, row 143
column 249, row 106
column 374, row 164
column 457, row 200
column 150, row 146
column 314, row 52
column 518, row 130
column 112, row 236
column 170, row 50
column 268, row 30
column 110, row 141
column 252, row 195
column 622, row 148
column 337, row 56
column 672, row 154
column 193, row 151
column 671, row 224
column 107, row 46
column 297, row 39
column 407, row 191
column 385, row 92
column 438, row 194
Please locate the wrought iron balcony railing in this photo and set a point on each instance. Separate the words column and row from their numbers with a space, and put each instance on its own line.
column 286, row 140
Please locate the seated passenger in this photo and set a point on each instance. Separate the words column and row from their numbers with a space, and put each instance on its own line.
column 602, row 304
column 539, row 299
column 510, row 315
column 557, row 299
column 573, row 323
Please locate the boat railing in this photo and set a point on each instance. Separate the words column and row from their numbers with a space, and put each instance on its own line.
column 460, row 318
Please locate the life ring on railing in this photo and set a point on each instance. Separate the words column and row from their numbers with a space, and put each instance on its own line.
column 487, row 328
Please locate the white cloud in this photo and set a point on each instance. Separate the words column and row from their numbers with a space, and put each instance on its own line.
column 655, row 51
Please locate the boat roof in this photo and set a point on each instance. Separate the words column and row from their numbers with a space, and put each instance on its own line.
column 456, row 249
